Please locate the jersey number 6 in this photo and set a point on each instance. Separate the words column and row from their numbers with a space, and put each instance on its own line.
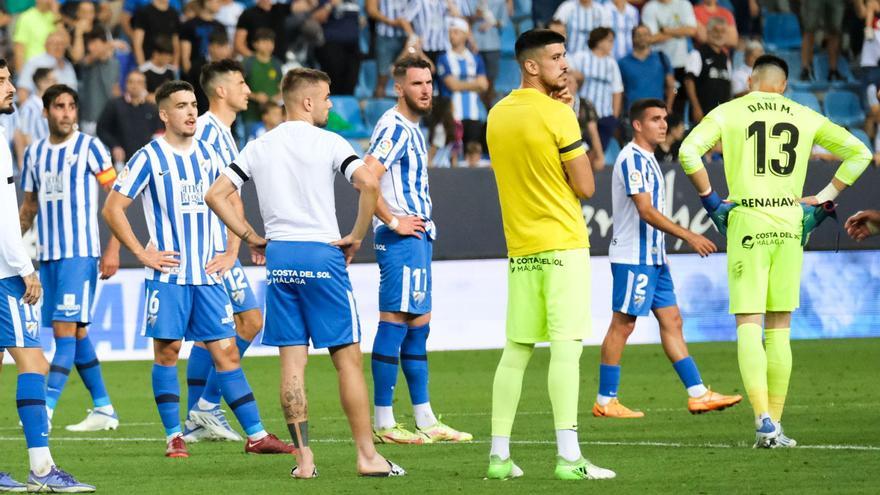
column 777, row 167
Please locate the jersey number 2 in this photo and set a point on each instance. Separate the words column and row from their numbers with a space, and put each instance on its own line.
column 777, row 167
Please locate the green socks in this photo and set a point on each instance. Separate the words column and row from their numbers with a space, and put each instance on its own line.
column 508, row 385
column 778, row 345
column 753, row 365
column 563, row 382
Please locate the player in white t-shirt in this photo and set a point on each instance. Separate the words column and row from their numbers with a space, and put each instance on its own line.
column 309, row 295
column 642, row 281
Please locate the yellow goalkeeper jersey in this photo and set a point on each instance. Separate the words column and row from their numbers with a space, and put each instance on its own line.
column 766, row 141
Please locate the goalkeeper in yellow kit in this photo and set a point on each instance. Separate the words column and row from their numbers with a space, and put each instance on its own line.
column 766, row 142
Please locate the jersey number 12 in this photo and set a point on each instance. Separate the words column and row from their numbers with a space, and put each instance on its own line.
column 780, row 130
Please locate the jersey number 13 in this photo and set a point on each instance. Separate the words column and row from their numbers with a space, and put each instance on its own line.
column 784, row 131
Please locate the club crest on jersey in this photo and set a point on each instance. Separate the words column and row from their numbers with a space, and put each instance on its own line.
column 70, row 160
column 636, row 181
column 383, row 147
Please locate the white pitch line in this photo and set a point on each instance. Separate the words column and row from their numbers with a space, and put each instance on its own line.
column 675, row 445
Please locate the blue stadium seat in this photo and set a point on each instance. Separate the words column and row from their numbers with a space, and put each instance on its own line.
column 781, row 31
column 374, row 108
column 844, row 108
column 821, row 68
column 508, row 76
column 807, row 99
column 366, row 79
column 349, row 108
column 611, row 151
column 863, row 137
column 508, row 39
column 357, row 147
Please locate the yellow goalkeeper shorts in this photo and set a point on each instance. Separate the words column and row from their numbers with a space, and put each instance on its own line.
column 764, row 259
column 548, row 296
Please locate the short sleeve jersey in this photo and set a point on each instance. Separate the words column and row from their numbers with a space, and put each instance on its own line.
column 530, row 135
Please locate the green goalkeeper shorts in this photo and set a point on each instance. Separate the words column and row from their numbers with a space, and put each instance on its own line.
column 548, row 296
column 764, row 259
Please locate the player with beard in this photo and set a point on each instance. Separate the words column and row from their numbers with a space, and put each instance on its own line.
column 541, row 169
column 20, row 289
column 404, row 234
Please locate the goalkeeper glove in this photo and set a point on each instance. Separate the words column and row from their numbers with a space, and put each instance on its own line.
column 815, row 215
column 718, row 210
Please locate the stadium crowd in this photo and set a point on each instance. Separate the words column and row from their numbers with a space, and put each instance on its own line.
column 692, row 54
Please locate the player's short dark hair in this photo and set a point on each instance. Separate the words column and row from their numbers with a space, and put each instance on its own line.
column 212, row 71
column 597, row 35
column 534, row 39
column 404, row 64
column 3, row 63
column 54, row 91
column 168, row 88
column 218, row 36
column 296, row 79
column 638, row 108
column 163, row 44
column 94, row 35
column 263, row 34
column 41, row 74
column 768, row 59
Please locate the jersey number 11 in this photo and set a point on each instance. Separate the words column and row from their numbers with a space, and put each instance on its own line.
column 780, row 130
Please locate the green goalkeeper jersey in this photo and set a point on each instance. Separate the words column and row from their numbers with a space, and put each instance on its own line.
column 766, row 141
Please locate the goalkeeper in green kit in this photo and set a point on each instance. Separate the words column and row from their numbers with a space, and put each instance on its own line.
column 766, row 141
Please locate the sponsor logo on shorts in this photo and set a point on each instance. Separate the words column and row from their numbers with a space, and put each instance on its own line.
column 69, row 306
column 297, row 277
column 379, row 247
column 769, row 239
column 767, row 202
column 533, row 263
column 748, row 242
column 229, row 319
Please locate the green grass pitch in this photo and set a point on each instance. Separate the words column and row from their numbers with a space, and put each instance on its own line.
column 832, row 411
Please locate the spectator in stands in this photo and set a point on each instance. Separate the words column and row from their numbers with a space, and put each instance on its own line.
column 671, row 23
column 83, row 22
column 392, row 32
column 488, row 19
column 228, row 15
column 747, row 15
column 264, row 14
column 599, row 77
column 444, row 135
column 340, row 20
column 708, row 68
column 56, row 46
column 826, row 16
column 152, row 23
column 99, row 79
column 130, row 121
column 739, row 81
column 588, row 124
column 624, row 18
column 195, row 34
column 428, row 20
column 32, row 122
column 873, row 118
column 667, row 151
column 462, row 77
column 219, row 48
column 543, row 10
column 646, row 73
column 130, row 8
column 473, row 155
column 581, row 17
column 263, row 74
column 271, row 116
column 32, row 29
column 869, row 11
column 708, row 10
column 304, row 33
column 557, row 26
column 159, row 68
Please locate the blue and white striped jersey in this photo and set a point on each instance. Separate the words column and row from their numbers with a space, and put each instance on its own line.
column 464, row 66
column 211, row 130
column 623, row 24
column 398, row 144
column 392, row 9
column 66, row 178
column 634, row 241
column 32, row 121
column 580, row 20
column 178, row 219
column 601, row 80
column 428, row 18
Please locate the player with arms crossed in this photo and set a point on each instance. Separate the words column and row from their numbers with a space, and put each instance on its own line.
column 20, row 332
column 404, row 236
column 541, row 169
column 223, row 82
column 309, row 296
column 640, row 269
column 185, row 297
column 61, row 177
column 766, row 141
